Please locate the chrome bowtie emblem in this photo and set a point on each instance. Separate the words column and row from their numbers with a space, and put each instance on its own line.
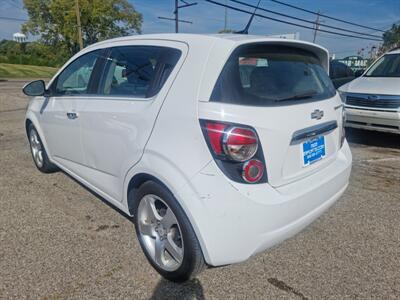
column 373, row 97
column 317, row 114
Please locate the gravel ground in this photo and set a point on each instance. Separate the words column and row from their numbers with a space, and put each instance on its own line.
column 57, row 240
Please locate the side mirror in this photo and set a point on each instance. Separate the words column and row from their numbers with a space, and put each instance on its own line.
column 35, row 88
column 358, row 73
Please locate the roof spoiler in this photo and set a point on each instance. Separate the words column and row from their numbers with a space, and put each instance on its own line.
column 321, row 53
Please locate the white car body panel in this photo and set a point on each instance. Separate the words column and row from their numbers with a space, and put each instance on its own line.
column 251, row 219
column 120, row 138
column 56, row 124
column 373, row 85
column 284, row 164
column 115, row 129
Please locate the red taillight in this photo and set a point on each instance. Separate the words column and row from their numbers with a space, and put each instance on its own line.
column 215, row 132
column 240, row 143
column 253, row 171
column 236, row 150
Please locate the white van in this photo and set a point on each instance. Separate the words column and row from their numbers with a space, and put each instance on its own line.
column 220, row 146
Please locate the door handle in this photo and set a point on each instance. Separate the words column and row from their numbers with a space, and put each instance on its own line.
column 72, row 115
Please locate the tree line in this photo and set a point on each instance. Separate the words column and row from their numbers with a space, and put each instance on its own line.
column 55, row 23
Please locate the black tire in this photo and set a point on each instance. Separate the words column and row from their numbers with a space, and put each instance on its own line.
column 193, row 261
column 46, row 166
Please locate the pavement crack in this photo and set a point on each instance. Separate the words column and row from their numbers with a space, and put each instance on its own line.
column 284, row 287
column 64, row 189
column 104, row 227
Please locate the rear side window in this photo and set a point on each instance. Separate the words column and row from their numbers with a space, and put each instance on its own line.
column 137, row 71
column 263, row 75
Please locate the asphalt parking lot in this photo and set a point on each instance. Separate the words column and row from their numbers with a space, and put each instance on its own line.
column 57, row 240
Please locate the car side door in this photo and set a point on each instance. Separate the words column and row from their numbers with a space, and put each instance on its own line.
column 117, row 122
column 60, row 117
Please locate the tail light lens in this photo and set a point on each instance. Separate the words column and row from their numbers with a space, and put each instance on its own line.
column 237, row 150
column 240, row 143
column 215, row 133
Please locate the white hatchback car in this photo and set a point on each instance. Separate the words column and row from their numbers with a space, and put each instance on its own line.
column 372, row 101
column 221, row 146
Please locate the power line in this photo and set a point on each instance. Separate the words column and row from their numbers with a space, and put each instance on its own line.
column 325, row 16
column 304, row 20
column 290, row 23
column 173, row 19
column 13, row 19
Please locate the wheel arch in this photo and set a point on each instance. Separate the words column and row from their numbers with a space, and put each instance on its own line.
column 28, row 122
column 135, row 183
column 32, row 120
column 174, row 179
column 138, row 180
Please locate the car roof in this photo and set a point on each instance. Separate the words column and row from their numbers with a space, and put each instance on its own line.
column 189, row 38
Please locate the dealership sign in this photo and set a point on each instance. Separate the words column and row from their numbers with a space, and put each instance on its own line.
column 355, row 62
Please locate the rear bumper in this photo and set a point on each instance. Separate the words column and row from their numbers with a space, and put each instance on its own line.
column 370, row 119
column 234, row 221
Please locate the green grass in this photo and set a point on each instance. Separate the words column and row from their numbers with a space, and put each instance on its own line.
column 25, row 71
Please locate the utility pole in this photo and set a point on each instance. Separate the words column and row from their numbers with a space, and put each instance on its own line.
column 316, row 27
column 78, row 21
column 226, row 16
column 176, row 13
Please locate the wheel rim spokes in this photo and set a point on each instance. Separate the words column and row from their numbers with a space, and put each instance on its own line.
column 160, row 232
column 159, row 251
column 36, row 148
column 175, row 251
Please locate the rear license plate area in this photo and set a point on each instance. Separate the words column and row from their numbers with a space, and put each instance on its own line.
column 313, row 150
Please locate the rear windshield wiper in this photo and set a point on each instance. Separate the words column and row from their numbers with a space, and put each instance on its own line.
column 301, row 96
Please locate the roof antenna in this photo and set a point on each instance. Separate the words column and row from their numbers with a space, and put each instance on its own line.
column 246, row 29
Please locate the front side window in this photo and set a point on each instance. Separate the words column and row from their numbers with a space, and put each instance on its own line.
column 387, row 66
column 261, row 74
column 74, row 79
column 137, row 71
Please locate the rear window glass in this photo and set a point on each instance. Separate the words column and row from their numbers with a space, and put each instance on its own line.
column 260, row 74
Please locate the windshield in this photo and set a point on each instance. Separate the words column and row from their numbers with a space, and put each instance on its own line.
column 262, row 74
column 387, row 66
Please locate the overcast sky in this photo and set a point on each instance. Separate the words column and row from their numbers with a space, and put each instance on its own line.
column 209, row 18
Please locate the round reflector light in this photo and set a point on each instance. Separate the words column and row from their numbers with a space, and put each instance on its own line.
column 253, row 171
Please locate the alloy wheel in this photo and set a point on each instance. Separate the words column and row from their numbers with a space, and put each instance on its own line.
column 160, row 233
column 36, row 148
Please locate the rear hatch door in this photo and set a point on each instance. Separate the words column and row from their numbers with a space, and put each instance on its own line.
column 285, row 94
